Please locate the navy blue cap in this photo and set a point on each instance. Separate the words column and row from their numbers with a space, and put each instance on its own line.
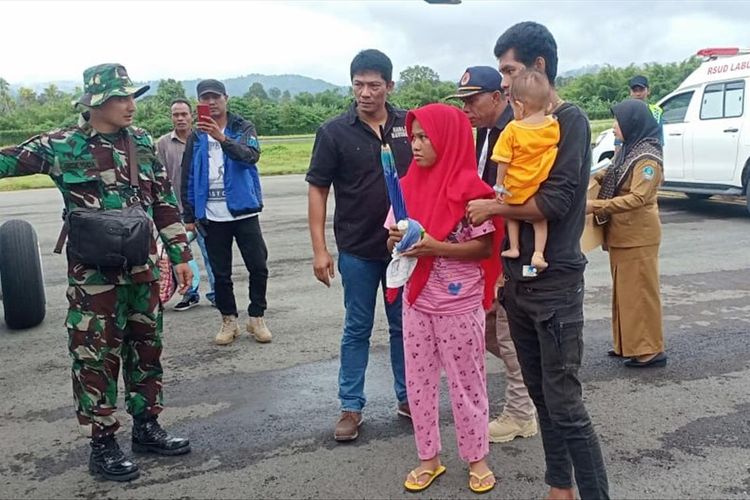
column 210, row 87
column 638, row 81
column 478, row 79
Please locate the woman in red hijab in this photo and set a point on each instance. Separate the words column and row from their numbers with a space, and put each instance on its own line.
column 447, row 294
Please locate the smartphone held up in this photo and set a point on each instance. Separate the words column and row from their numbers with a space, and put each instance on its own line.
column 204, row 112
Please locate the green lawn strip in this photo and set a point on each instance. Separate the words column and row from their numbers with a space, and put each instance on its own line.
column 278, row 158
column 280, row 138
column 26, row 182
column 599, row 126
column 285, row 158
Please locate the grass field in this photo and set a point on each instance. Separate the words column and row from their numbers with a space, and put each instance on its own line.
column 599, row 126
column 278, row 158
column 281, row 155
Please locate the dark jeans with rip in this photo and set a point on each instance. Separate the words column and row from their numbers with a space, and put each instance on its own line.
column 546, row 324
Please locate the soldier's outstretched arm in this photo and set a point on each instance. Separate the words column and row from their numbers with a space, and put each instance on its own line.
column 167, row 216
column 34, row 156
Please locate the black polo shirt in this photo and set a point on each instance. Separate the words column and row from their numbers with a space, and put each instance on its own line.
column 347, row 154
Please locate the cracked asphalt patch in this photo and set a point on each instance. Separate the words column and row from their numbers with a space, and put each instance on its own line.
column 260, row 417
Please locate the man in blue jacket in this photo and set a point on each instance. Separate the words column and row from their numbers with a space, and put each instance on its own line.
column 221, row 194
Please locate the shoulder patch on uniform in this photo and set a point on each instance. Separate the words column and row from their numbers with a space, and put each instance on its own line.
column 648, row 172
column 252, row 142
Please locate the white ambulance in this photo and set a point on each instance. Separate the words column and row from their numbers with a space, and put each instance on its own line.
column 706, row 129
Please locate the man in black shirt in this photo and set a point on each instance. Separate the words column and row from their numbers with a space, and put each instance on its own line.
column 484, row 103
column 346, row 154
column 545, row 311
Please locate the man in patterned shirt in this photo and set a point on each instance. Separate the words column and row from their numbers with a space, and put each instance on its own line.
column 114, row 315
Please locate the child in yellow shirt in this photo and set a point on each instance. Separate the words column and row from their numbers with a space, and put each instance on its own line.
column 525, row 152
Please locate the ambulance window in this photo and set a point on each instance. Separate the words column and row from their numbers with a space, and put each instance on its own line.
column 734, row 98
column 713, row 102
column 676, row 108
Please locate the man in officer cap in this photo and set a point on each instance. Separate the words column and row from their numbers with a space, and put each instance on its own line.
column 486, row 106
column 104, row 165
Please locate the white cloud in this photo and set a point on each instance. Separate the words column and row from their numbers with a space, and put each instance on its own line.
column 56, row 40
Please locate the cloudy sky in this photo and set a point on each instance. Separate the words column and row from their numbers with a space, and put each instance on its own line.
column 43, row 41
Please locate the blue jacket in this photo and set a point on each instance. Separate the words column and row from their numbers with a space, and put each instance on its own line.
column 241, row 180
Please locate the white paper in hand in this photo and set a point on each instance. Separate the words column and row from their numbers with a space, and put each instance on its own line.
column 399, row 270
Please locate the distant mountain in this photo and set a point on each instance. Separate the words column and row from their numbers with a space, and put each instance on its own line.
column 585, row 70
column 63, row 85
column 236, row 86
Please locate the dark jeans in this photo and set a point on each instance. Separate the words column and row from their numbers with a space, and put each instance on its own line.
column 546, row 324
column 219, row 239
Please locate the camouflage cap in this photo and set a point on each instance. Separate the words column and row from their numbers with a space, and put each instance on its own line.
column 103, row 81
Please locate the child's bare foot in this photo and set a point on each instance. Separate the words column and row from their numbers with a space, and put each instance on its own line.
column 481, row 478
column 537, row 260
column 423, row 474
column 511, row 253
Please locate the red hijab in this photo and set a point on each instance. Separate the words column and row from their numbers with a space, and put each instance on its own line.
column 437, row 196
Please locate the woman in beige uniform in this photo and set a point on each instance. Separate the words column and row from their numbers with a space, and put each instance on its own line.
column 628, row 209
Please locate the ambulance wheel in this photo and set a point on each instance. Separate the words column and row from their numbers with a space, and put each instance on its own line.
column 21, row 279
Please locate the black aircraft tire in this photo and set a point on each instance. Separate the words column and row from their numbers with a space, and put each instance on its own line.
column 21, row 278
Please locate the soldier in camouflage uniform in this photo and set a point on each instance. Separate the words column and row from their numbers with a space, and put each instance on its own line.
column 115, row 315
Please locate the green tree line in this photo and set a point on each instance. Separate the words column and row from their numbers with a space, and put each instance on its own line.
column 597, row 92
column 278, row 113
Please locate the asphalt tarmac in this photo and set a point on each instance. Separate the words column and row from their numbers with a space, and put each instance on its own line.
column 260, row 417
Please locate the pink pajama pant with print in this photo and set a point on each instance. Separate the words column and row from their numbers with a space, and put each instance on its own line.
column 454, row 342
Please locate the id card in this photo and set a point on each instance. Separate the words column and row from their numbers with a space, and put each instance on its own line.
column 529, row 272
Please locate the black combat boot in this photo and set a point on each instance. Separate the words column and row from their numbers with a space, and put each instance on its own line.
column 108, row 460
column 149, row 437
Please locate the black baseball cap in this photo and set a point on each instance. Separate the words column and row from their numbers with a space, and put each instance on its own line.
column 638, row 81
column 211, row 86
column 478, row 79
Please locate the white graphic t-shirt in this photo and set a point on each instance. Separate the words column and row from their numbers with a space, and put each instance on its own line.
column 216, row 207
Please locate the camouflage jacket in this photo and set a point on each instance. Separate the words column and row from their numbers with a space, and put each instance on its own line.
column 91, row 170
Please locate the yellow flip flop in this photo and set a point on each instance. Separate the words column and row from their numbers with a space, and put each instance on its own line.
column 414, row 486
column 480, row 488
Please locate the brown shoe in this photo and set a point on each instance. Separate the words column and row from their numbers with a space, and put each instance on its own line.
column 347, row 428
column 403, row 410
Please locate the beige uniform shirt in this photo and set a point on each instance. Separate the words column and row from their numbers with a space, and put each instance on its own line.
column 634, row 212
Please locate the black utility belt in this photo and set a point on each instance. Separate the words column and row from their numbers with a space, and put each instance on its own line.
column 109, row 238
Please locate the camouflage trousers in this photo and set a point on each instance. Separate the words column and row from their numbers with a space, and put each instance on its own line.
column 109, row 325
